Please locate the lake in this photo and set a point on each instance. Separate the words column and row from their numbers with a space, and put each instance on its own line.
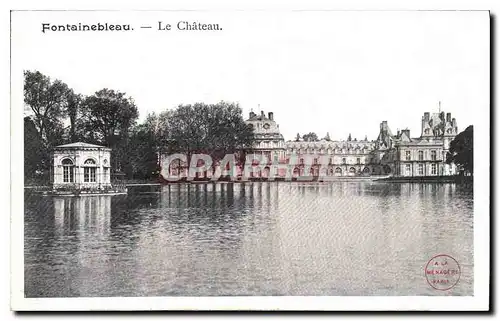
column 261, row 238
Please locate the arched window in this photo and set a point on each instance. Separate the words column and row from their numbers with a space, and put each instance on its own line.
column 338, row 171
column 89, row 171
column 68, row 171
column 67, row 161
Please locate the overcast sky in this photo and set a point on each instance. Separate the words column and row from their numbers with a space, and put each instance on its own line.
column 336, row 72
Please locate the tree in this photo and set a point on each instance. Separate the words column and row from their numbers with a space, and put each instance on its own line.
column 47, row 100
column 106, row 119
column 461, row 151
column 311, row 137
column 107, row 116
column 297, row 138
column 36, row 159
column 215, row 129
column 72, row 109
column 147, row 141
column 143, row 157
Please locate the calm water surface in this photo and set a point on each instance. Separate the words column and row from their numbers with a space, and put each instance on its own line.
column 273, row 238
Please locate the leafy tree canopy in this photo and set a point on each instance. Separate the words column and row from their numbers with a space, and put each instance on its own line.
column 47, row 100
column 310, row 137
column 108, row 115
column 461, row 151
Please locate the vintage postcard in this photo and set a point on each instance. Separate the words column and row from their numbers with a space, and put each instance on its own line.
column 250, row 160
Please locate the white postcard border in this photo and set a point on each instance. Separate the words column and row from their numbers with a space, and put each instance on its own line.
column 481, row 249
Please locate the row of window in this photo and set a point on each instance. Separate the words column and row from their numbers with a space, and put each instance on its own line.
column 420, row 169
column 331, row 171
column 427, row 131
column 315, row 160
column 270, row 144
column 89, row 174
column 328, row 151
column 421, row 155
column 330, row 161
column 69, row 162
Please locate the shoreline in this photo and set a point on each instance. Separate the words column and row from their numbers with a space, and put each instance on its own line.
column 46, row 189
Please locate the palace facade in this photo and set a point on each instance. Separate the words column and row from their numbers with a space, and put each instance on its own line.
column 424, row 155
column 343, row 157
column 269, row 142
column 397, row 154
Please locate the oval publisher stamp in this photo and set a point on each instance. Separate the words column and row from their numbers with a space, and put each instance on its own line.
column 442, row 272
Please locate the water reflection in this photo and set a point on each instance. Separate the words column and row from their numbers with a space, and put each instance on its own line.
column 85, row 214
column 249, row 238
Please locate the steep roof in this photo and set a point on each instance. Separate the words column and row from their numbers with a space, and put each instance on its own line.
column 80, row 145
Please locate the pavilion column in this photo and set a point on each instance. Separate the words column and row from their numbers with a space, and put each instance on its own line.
column 98, row 175
column 58, row 174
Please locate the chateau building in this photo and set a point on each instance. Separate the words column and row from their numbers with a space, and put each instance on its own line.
column 269, row 141
column 398, row 155
column 343, row 158
column 422, row 156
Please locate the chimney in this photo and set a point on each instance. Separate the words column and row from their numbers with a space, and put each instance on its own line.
column 383, row 126
column 454, row 122
column 448, row 117
column 270, row 115
column 262, row 113
column 426, row 116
